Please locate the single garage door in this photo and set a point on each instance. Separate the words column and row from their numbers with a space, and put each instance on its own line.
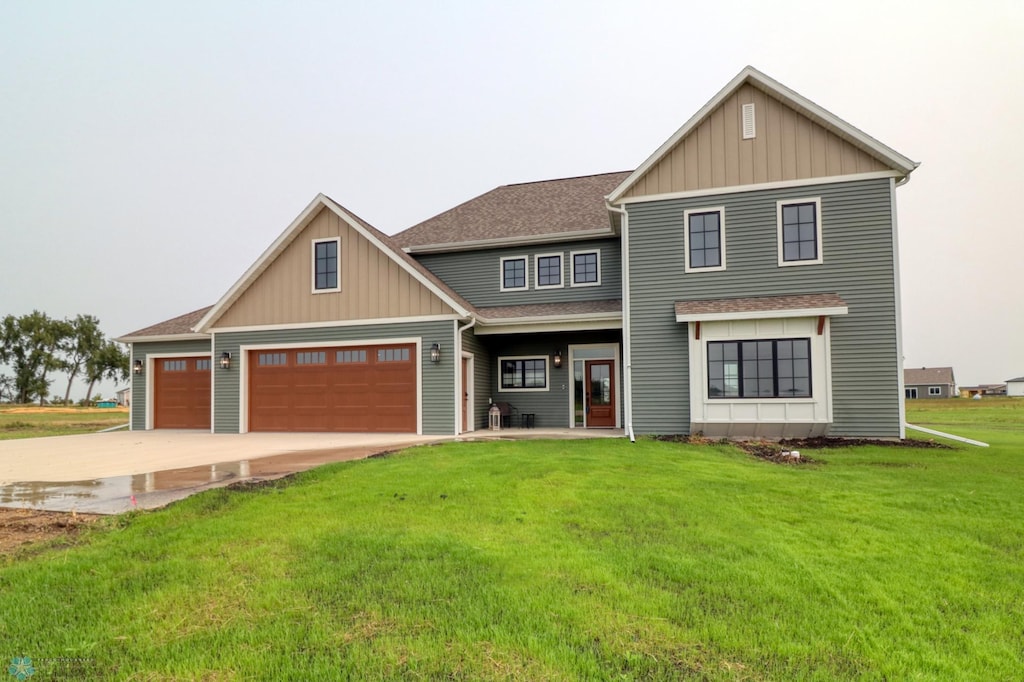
column 181, row 393
column 359, row 389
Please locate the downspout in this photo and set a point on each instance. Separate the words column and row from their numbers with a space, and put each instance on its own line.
column 459, row 388
column 627, row 356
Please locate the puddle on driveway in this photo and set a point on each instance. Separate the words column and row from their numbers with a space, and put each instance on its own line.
column 118, row 494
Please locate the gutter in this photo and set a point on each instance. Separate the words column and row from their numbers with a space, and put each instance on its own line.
column 627, row 354
column 942, row 434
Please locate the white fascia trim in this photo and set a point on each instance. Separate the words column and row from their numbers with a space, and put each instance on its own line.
column 165, row 337
column 767, row 186
column 572, row 268
column 547, row 374
column 561, row 270
column 817, row 231
column 151, row 359
column 312, row 269
column 243, row 370
column 501, row 273
column 790, row 97
column 131, row 386
column 476, row 245
column 337, row 323
column 898, row 307
column 720, row 210
column 534, row 327
column 763, row 314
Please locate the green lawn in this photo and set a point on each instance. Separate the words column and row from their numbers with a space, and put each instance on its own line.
column 23, row 421
column 557, row 560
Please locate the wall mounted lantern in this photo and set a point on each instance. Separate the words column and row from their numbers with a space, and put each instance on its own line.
column 435, row 353
column 225, row 360
column 557, row 359
column 138, row 367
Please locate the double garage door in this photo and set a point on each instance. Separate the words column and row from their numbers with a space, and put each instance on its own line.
column 353, row 388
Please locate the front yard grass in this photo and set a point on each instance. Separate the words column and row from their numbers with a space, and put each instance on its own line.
column 555, row 560
column 28, row 421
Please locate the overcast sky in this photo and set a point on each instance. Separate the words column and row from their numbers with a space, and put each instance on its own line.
column 149, row 152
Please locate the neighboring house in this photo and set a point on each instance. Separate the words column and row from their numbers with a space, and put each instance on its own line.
column 1015, row 387
column 982, row 389
column 743, row 281
column 929, row 382
column 124, row 397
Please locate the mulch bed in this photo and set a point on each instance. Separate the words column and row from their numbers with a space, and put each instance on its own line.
column 781, row 451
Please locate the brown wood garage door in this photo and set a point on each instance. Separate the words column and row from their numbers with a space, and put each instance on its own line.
column 355, row 389
column 181, row 393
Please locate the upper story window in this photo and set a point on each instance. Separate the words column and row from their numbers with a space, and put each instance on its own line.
column 779, row 368
column 523, row 374
column 586, row 268
column 513, row 273
column 549, row 271
column 705, row 239
column 799, row 225
column 325, row 265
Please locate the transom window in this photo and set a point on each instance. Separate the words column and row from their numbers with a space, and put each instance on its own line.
column 705, row 239
column 779, row 368
column 586, row 268
column 393, row 355
column 266, row 359
column 523, row 374
column 202, row 365
column 799, row 232
column 175, row 365
column 549, row 271
column 513, row 273
column 350, row 356
column 325, row 265
column 311, row 358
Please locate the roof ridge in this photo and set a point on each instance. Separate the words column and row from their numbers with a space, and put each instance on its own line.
column 571, row 177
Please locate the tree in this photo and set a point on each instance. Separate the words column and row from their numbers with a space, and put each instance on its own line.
column 83, row 342
column 30, row 343
column 6, row 388
column 111, row 362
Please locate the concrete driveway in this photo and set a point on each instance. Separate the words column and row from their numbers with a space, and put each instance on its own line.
column 125, row 453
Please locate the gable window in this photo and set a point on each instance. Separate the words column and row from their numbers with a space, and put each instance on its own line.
column 325, row 265
column 523, row 374
column 779, row 368
column 586, row 268
column 799, row 227
column 549, row 271
column 934, row 390
column 513, row 273
column 705, row 240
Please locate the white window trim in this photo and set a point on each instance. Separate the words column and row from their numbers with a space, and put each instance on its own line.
column 547, row 374
column 572, row 268
column 501, row 273
column 817, row 229
column 561, row 271
column 910, row 392
column 613, row 355
column 935, row 390
column 312, row 256
column 720, row 210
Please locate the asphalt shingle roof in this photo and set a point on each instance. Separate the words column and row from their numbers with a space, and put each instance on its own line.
column 534, row 310
column 757, row 304
column 182, row 324
column 928, row 375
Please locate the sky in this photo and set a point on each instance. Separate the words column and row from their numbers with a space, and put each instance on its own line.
column 150, row 152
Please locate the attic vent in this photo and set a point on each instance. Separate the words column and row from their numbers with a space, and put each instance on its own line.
column 748, row 121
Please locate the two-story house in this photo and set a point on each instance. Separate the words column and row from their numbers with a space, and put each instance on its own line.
column 742, row 281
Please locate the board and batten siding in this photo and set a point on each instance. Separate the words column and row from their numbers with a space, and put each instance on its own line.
column 476, row 275
column 141, row 351
column 438, row 388
column 372, row 284
column 787, row 146
column 858, row 265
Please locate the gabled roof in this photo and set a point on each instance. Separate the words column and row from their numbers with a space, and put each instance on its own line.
column 928, row 375
column 752, row 307
column 568, row 208
column 176, row 328
column 1015, row 380
column 539, row 311
column 801, row 104
column 372, row 234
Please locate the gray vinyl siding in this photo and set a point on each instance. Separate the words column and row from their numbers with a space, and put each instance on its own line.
column 476, row 275
column 140, row 351
column 858, row 265
column 438, row 387
column 483, row 368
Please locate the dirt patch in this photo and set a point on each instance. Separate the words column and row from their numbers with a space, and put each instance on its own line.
column 822, row 442
column 20, row 527
column 782, row 451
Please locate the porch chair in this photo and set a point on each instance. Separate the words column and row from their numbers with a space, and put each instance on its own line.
column 509, row 414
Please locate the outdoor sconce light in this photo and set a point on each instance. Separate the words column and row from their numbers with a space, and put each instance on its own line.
column 225, row 360
column 557, row 359
column 138, row 367
column 435, row 353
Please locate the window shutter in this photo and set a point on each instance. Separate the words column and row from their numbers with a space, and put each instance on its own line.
column 748, row 121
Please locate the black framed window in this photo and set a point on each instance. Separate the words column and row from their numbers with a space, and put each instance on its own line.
column 776, row 368
column 325, row 257
column 524, row 373
column 549, row 271
column 513, row 273
column 800, row 232
column 584, row 268
column 704, row 239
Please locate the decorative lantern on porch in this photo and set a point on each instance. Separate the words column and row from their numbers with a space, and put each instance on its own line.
column 494, row 418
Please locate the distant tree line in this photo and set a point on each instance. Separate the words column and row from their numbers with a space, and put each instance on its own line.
column 36, row 347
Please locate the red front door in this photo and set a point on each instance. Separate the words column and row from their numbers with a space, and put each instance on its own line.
column 600, row 394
